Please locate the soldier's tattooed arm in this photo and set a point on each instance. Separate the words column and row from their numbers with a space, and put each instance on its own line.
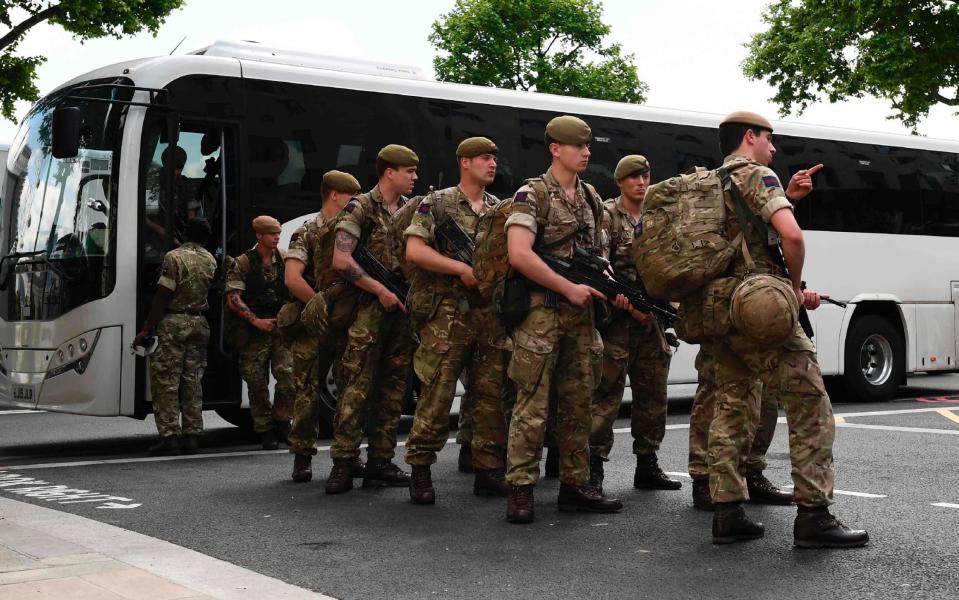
column 346, row 266
column 345, row 242
column 235, row 303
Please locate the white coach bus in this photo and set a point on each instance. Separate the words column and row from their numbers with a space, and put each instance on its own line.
column 81, row 238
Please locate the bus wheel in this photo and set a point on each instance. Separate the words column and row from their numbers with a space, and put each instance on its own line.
column 240, row 417
column 326, row 407
column 875, row 359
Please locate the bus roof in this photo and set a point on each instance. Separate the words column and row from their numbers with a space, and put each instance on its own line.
column 256, row 61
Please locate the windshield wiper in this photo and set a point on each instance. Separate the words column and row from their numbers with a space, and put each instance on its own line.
column 42, row 254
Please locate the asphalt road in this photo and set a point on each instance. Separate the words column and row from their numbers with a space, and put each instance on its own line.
column 895, row 476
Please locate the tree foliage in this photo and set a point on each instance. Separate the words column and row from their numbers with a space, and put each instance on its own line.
column 85, row 19
column 552, row 46
column 906, row 51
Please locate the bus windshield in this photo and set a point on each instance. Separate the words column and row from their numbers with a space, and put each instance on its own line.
column 60, row 214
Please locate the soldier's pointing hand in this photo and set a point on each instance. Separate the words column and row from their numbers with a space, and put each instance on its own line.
column 800, row 184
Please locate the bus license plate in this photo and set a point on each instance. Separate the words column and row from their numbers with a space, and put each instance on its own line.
column 23, row 393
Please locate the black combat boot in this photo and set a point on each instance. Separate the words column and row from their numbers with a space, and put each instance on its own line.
column 169, row 445
column 586, row 498
column 551, row 470
column 701, row 497
column 649, row 476
column 382, row 472
column 302, row 471
column 730, row 524
column 815, row 527
column 421, row 486
column 465, row 462
column 596, row 474
column 357, row 468
column 268, row 440
column 339, row 481
column 491, row 483
column 519, row 504
column 190, row 443
column 762, row 491
column 282, row 429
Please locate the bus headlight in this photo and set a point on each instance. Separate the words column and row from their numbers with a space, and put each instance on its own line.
column 74, row 354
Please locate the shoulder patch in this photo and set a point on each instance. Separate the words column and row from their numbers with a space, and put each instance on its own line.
column 295, row 237
column 350, row 206
column 520, row 196
column 771, row 181
column 424, row 208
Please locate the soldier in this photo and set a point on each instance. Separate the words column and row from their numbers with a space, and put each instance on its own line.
column 459, row 334
column 556, row 347
column 375, row 365
column 790, row 368
column 176, row 317
column 761, row 490
column 255, row 291
column 314, row 354
column 633, row 344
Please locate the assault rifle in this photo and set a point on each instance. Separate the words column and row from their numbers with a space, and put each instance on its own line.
column 596, row 272
column 455, row 241
column 375, row 269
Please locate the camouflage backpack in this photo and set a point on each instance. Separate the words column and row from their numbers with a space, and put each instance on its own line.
column 421, row 298
column 490, row 259
column 682, row 244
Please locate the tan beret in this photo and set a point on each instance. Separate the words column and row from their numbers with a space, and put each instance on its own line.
column 475, row 146
column 569, row 130
column 747, row 118
column 400, row 156
column 341, row 182
column 634, row 164
column 266, row 224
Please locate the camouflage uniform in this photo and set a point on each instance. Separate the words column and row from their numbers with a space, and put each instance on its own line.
column 629, row 348
column 790, row 372
column 557, row 346
column 176, row 368
column 701, row 415
column 264, row 351
column 313, row 355
column 379, row 347
column 459, row 334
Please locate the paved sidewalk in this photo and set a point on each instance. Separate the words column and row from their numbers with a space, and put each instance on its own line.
column 48, row 554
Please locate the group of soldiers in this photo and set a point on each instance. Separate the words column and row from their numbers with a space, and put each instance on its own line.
column 554, row 378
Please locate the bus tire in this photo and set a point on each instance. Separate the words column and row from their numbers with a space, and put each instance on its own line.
column 875, row 359
column 239, row 417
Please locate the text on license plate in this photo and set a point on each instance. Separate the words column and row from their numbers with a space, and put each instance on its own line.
column 23, row 393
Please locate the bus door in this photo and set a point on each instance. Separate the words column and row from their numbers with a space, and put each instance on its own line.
column 192, row 172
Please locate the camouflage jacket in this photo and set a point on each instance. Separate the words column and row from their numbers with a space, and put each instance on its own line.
column 764, row 195
column 434, row 209
column 618, row 230
column 263, row 297
column 312, row 245
column 188, row 271
column 366, row 218
column 569, row 223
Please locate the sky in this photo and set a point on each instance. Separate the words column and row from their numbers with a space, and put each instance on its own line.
column 689, row 52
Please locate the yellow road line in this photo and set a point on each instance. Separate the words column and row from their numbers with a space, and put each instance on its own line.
column 949, row 414
column 840, row 419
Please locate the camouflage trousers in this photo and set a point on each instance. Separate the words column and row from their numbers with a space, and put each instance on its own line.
column 263, row 353
column 449, row 343
column 641, row 352
column 554, row 349
column 313, row 356
column 176, row 373
column 792, row 376
column 464, row 431
column 701, row 415
column 375, row 371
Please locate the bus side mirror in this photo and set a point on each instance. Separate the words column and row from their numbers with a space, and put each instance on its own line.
column 66, row 132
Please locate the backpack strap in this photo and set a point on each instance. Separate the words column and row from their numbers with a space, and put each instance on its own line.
column 615, row 227
column 744, row 215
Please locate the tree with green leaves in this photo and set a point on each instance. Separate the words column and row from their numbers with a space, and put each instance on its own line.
column 552, row 46
column 906, row 51
column 85, row 19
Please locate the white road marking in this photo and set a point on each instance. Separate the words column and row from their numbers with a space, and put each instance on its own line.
column 847, row 493
column 61, row 494
column 21, row 412
column 902, row 411
column 945, row 504
column 897, row 428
